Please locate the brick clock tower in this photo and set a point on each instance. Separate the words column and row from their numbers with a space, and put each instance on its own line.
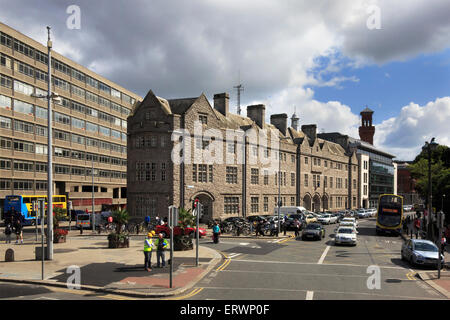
column 366, row 130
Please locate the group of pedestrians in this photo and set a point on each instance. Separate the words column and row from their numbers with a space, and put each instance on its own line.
column 160, row 244
column 14, row 224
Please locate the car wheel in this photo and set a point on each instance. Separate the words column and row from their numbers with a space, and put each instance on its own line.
column 164, row 234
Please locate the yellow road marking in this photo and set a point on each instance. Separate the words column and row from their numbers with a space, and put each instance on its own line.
column 191, row 294
column 411, row 276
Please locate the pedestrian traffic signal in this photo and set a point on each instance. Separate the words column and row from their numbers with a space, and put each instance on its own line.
column 194, row 204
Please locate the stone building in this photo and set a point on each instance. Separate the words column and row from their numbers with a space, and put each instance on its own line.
column 182, row 149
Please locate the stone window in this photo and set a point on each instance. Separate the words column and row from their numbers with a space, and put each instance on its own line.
column 231, row 205
column 231, row 176
column 254, row 176
column 211, row 173
column 266, row 177
column 254, row 207
column 306, row 160
column 306, row 179
column 292, row 201
column 203, row 119
column 266, row 204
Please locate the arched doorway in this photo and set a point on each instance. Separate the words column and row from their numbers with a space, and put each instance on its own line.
column 316, row 203
column 325, row 202
column 208, row 204
column 307, row 202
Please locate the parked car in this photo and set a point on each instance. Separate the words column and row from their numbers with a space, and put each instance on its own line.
column 421, row 252
column 165, row 230
column 254, row 218
column 313, row 231
column 345, row 235
column 291, row 219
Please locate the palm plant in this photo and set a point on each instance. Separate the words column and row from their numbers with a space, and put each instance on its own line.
column 120, row 217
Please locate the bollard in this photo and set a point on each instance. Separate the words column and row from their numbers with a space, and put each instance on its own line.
column 9, row 255
column 81, row 229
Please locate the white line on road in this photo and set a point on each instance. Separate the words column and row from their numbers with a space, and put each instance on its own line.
column 309, row 295
column 324, row 254
column 313, row 263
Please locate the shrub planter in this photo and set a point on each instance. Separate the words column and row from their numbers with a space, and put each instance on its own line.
column 118, row 241
column 59, row 235
column 182, row 243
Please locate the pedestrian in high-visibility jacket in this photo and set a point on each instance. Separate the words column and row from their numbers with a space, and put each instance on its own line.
column 161, row 245
column 148, row 246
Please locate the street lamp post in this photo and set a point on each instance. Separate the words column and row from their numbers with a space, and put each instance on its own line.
column 428, row 147
column 55, row 98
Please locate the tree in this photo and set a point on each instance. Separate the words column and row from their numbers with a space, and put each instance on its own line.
column 440, row 176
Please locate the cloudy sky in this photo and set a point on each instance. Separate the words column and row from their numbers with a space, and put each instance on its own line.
column 326, row 59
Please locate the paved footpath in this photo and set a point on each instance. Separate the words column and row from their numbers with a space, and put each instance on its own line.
column 115, row 271
column 119, row 271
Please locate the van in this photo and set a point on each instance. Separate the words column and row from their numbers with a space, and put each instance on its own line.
column 286, row 211
column 84, row 220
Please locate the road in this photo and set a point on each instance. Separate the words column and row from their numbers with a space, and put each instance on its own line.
column 293, row 269
column 285, row 269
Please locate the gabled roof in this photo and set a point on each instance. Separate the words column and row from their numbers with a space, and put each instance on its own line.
column 180, row 106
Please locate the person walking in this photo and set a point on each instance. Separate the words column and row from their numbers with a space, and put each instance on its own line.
column 8, row 231
column 297, row 227
column 443, row 242
column 161, row 245
column 148, row 246
column 417, row 227
column 216, row 232
column 18, row 230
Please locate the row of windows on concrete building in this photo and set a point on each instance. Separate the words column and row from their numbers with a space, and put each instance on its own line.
column 31, row 147
column 30, row 109
column 41, row 167
column 57, row 65
column 31, row 128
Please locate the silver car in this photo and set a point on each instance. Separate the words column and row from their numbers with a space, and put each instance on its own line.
column 421, row 252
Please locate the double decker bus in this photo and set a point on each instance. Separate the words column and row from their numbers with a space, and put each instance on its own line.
column 24, row 205
column 389, row 214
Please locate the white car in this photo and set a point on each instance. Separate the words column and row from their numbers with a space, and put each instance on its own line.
column 333, row 218
column 324, row 219
column 347, row 224
column 345, row 235
column 348, row 219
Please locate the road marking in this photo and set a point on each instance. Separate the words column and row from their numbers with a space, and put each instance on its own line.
column 233, row 255
column 324, row 254
column 189, row 295
column 309, row 295
column 321, row 291
column 313, row 263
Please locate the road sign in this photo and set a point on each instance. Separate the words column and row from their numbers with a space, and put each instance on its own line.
column 173, row 216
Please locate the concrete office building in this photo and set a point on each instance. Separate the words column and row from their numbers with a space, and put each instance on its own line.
column 89, row 127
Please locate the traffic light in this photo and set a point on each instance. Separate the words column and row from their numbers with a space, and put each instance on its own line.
column 194, row 204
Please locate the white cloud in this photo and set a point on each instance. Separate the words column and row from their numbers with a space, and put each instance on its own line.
column 405, row 134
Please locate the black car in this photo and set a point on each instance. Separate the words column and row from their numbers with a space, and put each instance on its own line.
column 251, row 219
column 313, row 231
column 233, row 219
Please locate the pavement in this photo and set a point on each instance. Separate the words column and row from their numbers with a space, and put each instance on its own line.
column 113, row 271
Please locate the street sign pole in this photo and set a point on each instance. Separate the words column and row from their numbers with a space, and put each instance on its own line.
column 41, row 212
column 36, row 214
column 440, row 221
column 173, row 222
column 198, row 210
